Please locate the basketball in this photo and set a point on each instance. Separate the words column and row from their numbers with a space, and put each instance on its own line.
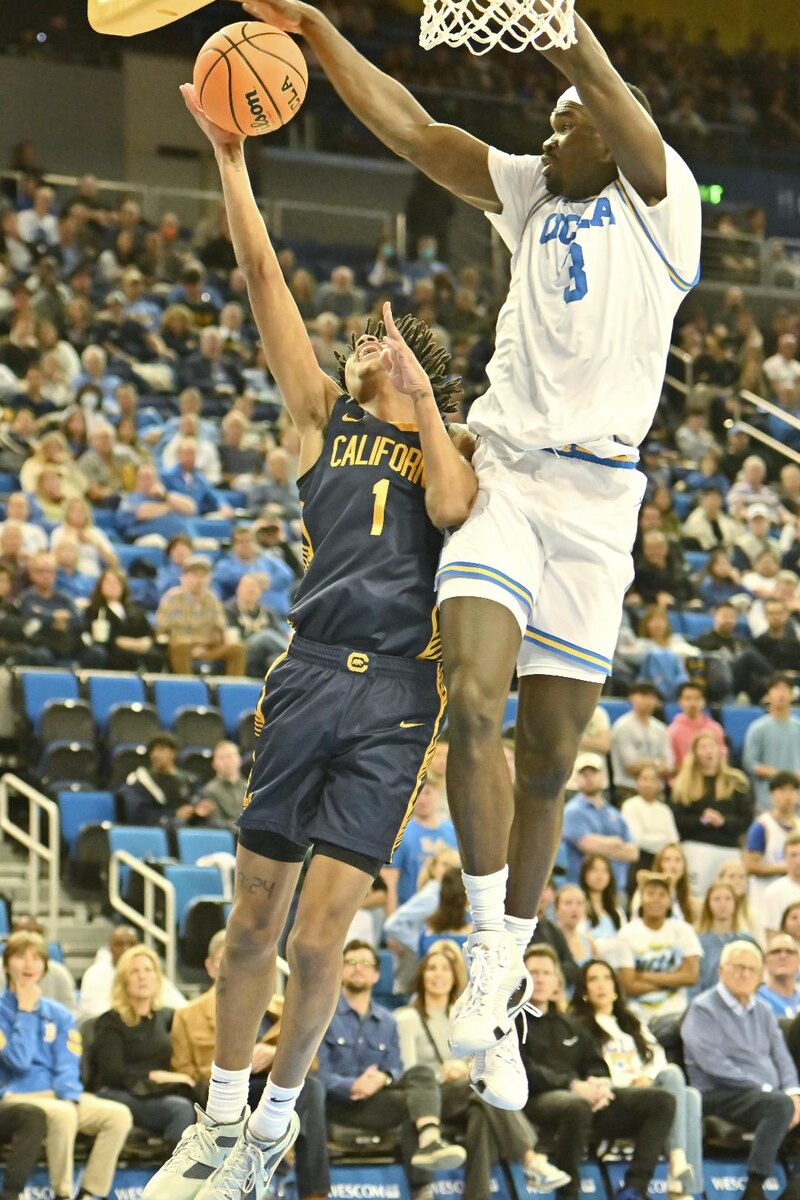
column 251, row 78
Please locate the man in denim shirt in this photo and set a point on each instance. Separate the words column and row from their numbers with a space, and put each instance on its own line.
column 362, row 1073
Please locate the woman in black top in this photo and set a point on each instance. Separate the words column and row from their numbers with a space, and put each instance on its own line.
column 713, row 807
column 131, row 1050
column 121, row 627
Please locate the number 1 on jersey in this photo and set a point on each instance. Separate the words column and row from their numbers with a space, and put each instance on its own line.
column 380, row 492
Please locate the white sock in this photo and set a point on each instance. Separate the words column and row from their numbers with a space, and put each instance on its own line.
column 227, row 1094
column 271, row 1119
column 487, row 899
column 521, row 929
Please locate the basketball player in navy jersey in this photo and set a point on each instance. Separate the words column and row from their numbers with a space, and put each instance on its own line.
column 348, row 718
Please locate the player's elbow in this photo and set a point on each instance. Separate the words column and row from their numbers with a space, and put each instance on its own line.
column 447, row 511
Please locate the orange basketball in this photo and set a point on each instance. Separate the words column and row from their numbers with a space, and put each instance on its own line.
column 250, row 78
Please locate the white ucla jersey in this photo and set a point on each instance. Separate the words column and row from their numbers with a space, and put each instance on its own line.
column 583, row 336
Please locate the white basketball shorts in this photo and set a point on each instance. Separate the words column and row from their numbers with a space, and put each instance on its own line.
column 550, row 537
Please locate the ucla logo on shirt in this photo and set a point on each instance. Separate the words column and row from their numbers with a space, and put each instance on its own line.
column 565, row 226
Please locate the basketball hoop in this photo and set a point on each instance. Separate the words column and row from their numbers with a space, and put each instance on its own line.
column 127, row 18
column 480, row 25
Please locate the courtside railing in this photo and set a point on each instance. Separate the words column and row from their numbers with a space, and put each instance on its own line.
column 43, row 869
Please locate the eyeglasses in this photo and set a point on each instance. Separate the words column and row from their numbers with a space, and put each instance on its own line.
column 743, row 969
column 782, row 950
column 360, row 962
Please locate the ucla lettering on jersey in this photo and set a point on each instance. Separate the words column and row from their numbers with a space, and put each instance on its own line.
column 369, row 548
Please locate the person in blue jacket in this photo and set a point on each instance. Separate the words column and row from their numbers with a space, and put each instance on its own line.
column 40, row 1059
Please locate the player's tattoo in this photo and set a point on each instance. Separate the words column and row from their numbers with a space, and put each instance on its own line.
column 254, row 883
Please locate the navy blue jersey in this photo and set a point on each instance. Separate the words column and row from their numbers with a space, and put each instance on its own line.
column 370, row 549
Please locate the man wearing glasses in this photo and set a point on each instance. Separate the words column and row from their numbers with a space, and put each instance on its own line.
column 779, row 989
column 365, row 1084
column 736, row 1055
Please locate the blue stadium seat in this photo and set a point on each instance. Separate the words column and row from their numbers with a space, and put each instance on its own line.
column 77, row 809
column 109, row 688
column 8, row 482
column 696, row 560
column 695, row 624
column 195, row 843
column 106, row 519
column 510, row 711
column 736, row 720
column 682, row 502
column 385, row 982
column 173, row 694
column 142, row 841
column 39, row 687
column 220, row 528
column 614, row 708
column 5, row 918
column 190, row 882
column 151, row 554
column 671, row 710
column 234, row 699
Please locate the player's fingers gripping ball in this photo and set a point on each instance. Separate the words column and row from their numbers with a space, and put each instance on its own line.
column 250, row 78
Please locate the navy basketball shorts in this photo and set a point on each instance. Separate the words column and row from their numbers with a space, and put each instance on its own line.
column 344, row 743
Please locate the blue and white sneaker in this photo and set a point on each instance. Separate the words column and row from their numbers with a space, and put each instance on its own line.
column 203, row 1147
column 248, row 1169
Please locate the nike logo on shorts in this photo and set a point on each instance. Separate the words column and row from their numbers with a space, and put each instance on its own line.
column 358, row 419
column 411, row 724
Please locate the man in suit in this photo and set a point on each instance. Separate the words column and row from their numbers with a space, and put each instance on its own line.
column 192, row 1034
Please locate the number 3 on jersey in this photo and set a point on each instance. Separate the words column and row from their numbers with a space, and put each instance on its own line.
column 578, row 285
column 380, row 492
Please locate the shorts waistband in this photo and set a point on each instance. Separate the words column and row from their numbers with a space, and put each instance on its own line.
column 361, row 662
column 624, row 462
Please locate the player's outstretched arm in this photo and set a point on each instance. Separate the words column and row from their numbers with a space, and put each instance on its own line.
column 450, row 482
column 450, row 156
column 307, row 391
column 629, row 132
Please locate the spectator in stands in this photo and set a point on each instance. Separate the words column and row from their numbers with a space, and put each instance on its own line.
column 340, row 295
column 571, row 1095
column 690, row 721
column 247, row 558
column 592, row 826
column 720, row 923
column 658, row 579
column 403, row 927
column 425, row 835
column 707, row 527
column 14, row 557
column 178, row 331
column 772, row 742
column 53, row 453
column 119, row 627
column 237, row 456
column 52, row 622
column 451, row 919
column 192, row 1037
column 785, row 587
column 150, row 508
column 226, row 789
column 707, row 477
column 70, row 580
column 18, row 511
column 721, row 645
column 131, row 1052
column 206, row 462
column 751, row 489
column 790, row 921
column 671, row 860
column 108, row 467
column 271, row 537
column 737, row 1058
column 783, row 891
column 159, row 793
column 263, row 635
column 779, row 991
column 638, row 740
column 766, row 837
column 658, row 955
column 23, row 1128
column 179, row 548
column 734, row 873
column 40, row 1065
column 14, row 648
column 760, row 580
column 58, row 982
column 279, row 486
column 604, row 916
column 215, row 375
column 713, row 806
column 93, row 548
column 720, row 581
column 650, row 821
column 38, row 225
column 192, row 621
column 693, row 437
column 569, row 909
column 98, row 978
column 753, row 541
column 365, row 1082
column 775, row 650
column 548, row 934
column 635, row 1059
column 186, row 480
column 782, row 367
column 423, row 1027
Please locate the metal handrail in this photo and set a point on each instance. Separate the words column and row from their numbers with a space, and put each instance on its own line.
column 760, row 436
column 146, row 921
column 686, row 384
column 38, row 851
column 768, row 407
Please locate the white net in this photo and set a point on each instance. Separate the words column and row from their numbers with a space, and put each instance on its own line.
column 480, row 25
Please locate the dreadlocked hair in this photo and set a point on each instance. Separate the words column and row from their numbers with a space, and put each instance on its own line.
column 433, row 359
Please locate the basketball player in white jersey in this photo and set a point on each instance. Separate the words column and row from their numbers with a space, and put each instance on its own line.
column 604, row 233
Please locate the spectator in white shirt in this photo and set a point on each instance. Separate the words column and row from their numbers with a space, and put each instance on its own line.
column 784, row 891
column 38, row 226
column 782, row 368
column 18, row 510
column 650, row 820
column 95, row 991
column 638, row 739
column 766, row 838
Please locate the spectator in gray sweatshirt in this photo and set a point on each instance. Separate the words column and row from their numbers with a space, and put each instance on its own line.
column 736, row 1056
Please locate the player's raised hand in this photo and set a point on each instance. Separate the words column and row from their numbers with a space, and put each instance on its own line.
column 283, row 14
column 407, row 374
column 217, row 136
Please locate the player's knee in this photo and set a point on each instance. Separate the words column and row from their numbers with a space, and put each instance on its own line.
column 472, row 710
column 250, row 932
column 312, row 951
column 543, row 770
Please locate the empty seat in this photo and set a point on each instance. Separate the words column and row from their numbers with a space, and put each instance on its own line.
column 107, row 689
column 235, row 700
column 220, row 528
column 142, row 841
column 204, row 916
column 39, row 687
column 195, row 843
column 198, row 727
column 614, row 708
column 123, row 760
column 66, row 721
column 695, row 624
column 736, row 720
column 189, row 882
column 149, row 554
column 79, row 809
column 197, row 762
column 131, row 724
column 174, row 693
column 696, row 560
column 63, row 763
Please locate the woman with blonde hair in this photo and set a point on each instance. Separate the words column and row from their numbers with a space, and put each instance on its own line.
column 424, row 1030
column 53, row 453
column 569, row 908
column 719, row 923
column 94, row 548
column 734, row 873
column 131, row 1050
column 713, row 807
